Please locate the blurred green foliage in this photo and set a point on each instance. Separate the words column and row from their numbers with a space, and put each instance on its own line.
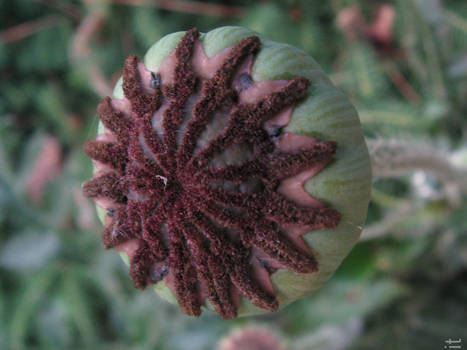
column 61, row 290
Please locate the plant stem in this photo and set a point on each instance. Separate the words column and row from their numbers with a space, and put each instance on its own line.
column 397, row 157
column 80, row 52
column 193, row 7
column 23, row 30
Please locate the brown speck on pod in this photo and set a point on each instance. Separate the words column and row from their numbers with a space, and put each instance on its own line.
column 245, row 81
column 155, row 82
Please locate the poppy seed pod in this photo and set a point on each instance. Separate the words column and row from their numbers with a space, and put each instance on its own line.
column 229, row 172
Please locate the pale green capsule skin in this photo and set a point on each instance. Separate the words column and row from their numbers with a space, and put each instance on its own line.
column 327, row 114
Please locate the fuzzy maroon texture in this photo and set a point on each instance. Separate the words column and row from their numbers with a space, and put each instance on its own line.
column 170, row 198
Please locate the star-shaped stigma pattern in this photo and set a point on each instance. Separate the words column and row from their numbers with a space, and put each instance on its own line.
column 195, row 221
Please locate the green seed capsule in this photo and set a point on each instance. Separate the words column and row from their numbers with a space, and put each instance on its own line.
column 236, row 174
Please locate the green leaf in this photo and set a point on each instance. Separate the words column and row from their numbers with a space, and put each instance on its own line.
column 29, row 250
column 362, row 73
column 79, row 310
column 26, row 305
column 342, row 299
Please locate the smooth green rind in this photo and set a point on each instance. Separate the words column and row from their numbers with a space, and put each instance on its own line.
column 326, row 114
column 344, row 184
column 160, row 50
column 118, row 89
